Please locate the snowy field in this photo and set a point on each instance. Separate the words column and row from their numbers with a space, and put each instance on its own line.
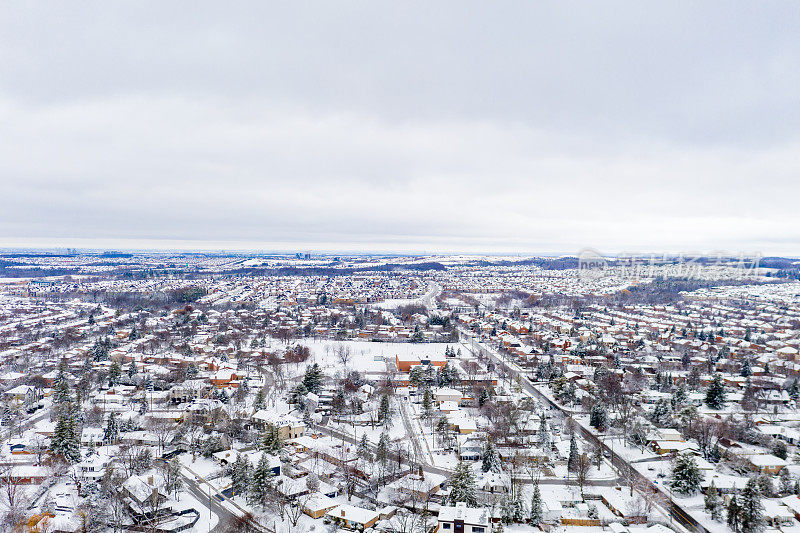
column 366, row 356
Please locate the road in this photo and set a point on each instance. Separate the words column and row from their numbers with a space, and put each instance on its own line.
column 412, row 435
column 208, row 495
column 429, row 298
column 677, row 512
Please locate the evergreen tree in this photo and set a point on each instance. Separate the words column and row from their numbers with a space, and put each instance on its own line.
column 260, row 484
column 598, row 418
column 686, row 476
column 384, row 410
column 751, row 517
column 258, row 404
column 64, row 441
column 543, row 435
column 733, row 513
column 746, row 368
column 794, row 390
column 112, row 429
column 713, row 502
column 512, row 508
column 427, row 402
column 661, row 413
column 482, row 397
column 297, row 397
column 679, row 397
column 715, row 394
column 536, row 510
column 114, row 374
column 61, row 390
column 191, row 371
column 779, row 449
column 491, row 459
column 786, row 481
column 462, row 486
column 382, row 449
column 240, row 472
column 271, row 441
column 765, row 486
column 132, row 369
column 312, row 380
column 572, row 461
column 443, row 430
column 362, row 449
column 174, row 479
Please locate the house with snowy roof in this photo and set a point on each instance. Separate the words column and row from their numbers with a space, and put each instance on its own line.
column 462, row 519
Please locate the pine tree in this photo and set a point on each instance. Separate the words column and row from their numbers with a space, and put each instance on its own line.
column 537, row 513
column 786, row 481
column 512, row 508
column 362, row 449
column 427, row 402
column 271, row 441
column 750, row 509
column 443, row 430
column 713, row 502
column 112, row 429
column 258, row 404
column 543, row 436
column 240, row 473
column 61, row 390
column 491, row 459
column 746, row 368
column 679, row 397
column 572, row 461
column 382, row 450
column 733, row 513
column 482, row 397
column 715, row 394
column 383, row 411
column 132, row 369
column 661, row 413
column 175, row 481
column 462, row 485
column 64, row 441
column 297, row 397
column 779, row 449
column 114, row 374
column 313, row 378
column 598, row 418
column 260, row 484
column 686, row 476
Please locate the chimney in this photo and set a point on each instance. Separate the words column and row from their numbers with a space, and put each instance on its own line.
column 150, row 479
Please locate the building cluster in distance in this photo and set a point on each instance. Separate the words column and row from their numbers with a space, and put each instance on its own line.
column 196, row 392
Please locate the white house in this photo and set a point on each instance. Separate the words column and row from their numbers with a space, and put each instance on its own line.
column 463, row 519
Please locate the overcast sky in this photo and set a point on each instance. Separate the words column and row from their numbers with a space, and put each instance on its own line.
column 401, row 126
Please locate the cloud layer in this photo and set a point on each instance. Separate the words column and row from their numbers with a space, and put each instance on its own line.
column 401, row 127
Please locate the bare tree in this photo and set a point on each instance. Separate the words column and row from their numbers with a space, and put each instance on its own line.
column 343, row 354
column 14, row 498
column 582, row 467
column 295, row 511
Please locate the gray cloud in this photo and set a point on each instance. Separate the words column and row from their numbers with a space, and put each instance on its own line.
column 401, row 126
